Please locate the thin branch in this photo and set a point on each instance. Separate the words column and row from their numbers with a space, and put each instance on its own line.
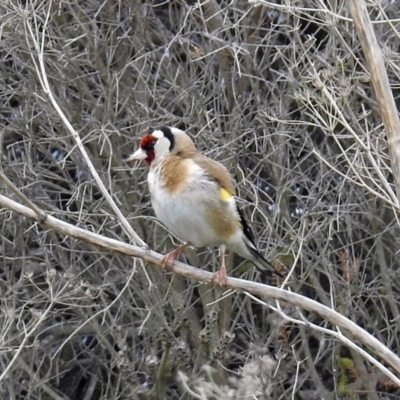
column 34, row 376
column 257, row 289
column 41, row 71
column 22, row 197
column 338, row 335
column 28, row 334
column 308, row 10
column 380, row 83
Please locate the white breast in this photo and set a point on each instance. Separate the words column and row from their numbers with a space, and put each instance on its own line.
column 184, row 213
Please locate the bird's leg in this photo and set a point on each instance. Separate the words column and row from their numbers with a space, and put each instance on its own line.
column 168, row 260
column 220, row 276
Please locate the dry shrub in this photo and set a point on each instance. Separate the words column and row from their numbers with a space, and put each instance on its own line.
column 281, row 95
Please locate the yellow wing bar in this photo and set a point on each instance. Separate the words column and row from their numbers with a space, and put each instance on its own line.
column 224, row 194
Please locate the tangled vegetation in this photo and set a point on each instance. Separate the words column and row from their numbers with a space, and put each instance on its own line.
column 281, row 94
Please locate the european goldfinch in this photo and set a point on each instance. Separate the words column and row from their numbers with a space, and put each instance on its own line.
column 193, row 196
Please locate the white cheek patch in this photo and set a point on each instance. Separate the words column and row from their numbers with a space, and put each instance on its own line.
column 162, row 147
column 157, row 134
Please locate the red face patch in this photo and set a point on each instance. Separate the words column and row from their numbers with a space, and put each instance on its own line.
column 146, row 140
column 147, row 143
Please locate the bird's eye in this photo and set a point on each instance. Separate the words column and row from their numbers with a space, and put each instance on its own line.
column 150, row 145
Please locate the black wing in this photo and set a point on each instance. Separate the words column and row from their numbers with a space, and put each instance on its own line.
column 246, row 229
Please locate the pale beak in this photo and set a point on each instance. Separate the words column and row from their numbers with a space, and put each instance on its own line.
column 138, row 155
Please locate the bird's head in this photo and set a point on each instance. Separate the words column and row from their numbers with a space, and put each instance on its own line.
column 159, row 143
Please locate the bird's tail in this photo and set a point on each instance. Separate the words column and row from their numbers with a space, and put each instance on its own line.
column 262, row 264
column 248, row 249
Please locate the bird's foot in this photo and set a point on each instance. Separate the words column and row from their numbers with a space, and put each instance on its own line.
column 167, row 261
column 220, row 277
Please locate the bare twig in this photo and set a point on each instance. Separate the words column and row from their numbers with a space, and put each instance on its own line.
column 203, row 276
column 302, row 136
column 308, row 10
column 380, row 83
column 41, row 71
column 28, row 334
column 41, row 216
column 338, row 335
column 34, row 375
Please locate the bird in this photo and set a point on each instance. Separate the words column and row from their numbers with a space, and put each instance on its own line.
column 194, row 197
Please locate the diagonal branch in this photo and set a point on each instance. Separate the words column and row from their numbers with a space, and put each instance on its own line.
column 380, row 83
column 38, row 49
column 257, row 289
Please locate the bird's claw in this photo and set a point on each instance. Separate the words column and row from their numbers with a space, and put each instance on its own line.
column 220, row 278
column 167, row 261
